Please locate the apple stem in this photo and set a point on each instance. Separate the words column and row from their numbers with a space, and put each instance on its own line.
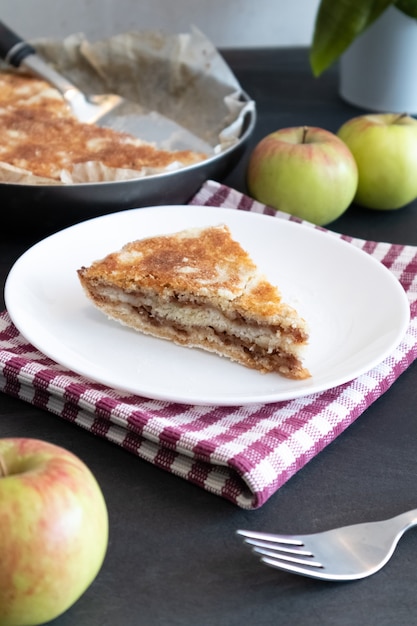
column 3, row 467
column 400, row 117
column 303, row 138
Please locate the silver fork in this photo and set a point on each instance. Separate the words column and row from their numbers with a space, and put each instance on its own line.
column 346, row 553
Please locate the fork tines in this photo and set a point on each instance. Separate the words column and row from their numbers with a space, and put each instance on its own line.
column 282, row 551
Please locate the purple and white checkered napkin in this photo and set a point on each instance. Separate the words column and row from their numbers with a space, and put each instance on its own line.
column 243, row 453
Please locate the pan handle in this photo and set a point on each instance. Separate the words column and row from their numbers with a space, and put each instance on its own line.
column 13, row 49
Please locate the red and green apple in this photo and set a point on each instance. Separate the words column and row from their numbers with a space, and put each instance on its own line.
column 385, row 149
column 53, row 530
column 305, row 171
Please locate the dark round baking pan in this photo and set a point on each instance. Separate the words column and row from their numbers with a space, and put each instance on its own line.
column 43, row 209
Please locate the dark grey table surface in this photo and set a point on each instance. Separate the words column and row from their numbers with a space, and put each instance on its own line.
column 173, row 556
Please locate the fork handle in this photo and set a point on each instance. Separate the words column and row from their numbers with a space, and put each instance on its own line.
column 407, row 519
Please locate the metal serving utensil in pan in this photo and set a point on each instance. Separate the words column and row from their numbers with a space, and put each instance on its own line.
column 110, row 110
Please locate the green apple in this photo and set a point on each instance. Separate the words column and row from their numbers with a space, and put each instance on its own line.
column 53, row 530
column 385, row 149
column 305, row 171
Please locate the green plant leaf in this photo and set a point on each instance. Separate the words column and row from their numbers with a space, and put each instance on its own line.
column 338, row 23
column 409, row 7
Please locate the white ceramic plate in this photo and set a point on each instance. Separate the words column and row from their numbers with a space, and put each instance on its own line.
column 356, row 309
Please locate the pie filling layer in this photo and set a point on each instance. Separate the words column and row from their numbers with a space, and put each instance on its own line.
column 264, row 347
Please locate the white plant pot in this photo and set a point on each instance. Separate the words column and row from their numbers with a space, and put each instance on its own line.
column 378, row 71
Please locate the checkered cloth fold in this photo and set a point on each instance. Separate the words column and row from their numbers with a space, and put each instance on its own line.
column 243, row 453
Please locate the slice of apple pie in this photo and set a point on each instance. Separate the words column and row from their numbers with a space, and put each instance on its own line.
column 199, row 288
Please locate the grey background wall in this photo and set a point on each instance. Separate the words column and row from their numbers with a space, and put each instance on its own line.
column 228, row 23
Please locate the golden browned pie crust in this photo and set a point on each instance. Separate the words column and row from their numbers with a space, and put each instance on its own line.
column 199, row 288
column 39, row 134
